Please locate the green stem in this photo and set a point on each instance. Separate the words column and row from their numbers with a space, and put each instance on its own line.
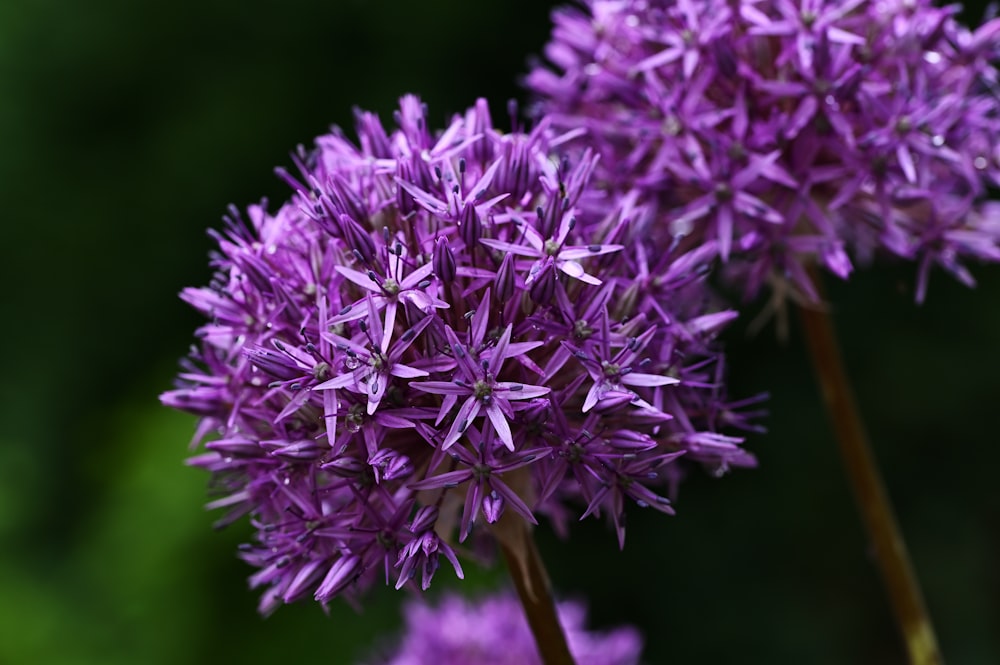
column 527, row 570
column 869, row 490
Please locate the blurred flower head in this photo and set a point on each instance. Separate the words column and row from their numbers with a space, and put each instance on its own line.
column 432, row 332
column 788, row 132
column 493, row 631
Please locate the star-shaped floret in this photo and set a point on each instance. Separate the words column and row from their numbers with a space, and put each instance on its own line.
column 484, row 468
column 399, row 282
column 613, row 374
column 371, row 367
column 566, row 259
column 478, row 384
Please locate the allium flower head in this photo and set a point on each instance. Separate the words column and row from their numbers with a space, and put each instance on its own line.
column 431, row 332
column 788, row 132
column 493, row 631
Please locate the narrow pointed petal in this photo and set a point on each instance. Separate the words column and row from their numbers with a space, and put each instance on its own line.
column 359, row 279
column 440, row 387
column 406, row 372
column 463, row 420
column 648, row 380
column 520, row 391
column 501, row 425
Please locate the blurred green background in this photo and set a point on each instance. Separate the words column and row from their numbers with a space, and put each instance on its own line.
column 125, row 129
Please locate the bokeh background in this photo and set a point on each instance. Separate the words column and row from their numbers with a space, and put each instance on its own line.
column 125, row 129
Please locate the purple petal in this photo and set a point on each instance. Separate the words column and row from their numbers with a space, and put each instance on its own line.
column 501, row 246
column 501, row 488
column 648, row 380
column 520, row 391
column 377, row 383
column 499, row 353
column 342, row 381
column 341, row 574
column 574, row 269
column 463, row 420
column 593, row 395
column 576, row 253
column 452, row 478
column 406, row 372
column 440, row 387
column 414, row 278
column 390, row 324
column 359, row 278
column 501, row 425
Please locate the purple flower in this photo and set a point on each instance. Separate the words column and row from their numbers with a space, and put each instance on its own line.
column 787, row 133
column 614, row 373
column 479, row 386
column 493, row 631
column 554, row 249
column 411, row 344
column 375, row 364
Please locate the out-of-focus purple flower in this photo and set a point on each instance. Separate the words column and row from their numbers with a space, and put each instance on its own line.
column 493, row 631
column 436, row 329
column 787, row 133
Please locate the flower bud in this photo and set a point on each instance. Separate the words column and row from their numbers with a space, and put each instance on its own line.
column 470, row 227
column 504, row 283
column 444, row 261
column 544, row 285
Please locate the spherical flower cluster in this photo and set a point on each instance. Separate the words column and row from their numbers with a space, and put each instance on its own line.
column 493, row 631
column 432, row 332
column 789, row 132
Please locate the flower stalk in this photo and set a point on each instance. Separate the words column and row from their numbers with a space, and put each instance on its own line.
column 869, row 491
column 531, row 579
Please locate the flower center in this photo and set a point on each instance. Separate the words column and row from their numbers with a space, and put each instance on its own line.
column 390, row 286
column 723, row 192
column 482, row 390
column 575, row 453
column 355, row 417
column 551, row 247
column 671, row 126
column 321, row 371
column 386, row 539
